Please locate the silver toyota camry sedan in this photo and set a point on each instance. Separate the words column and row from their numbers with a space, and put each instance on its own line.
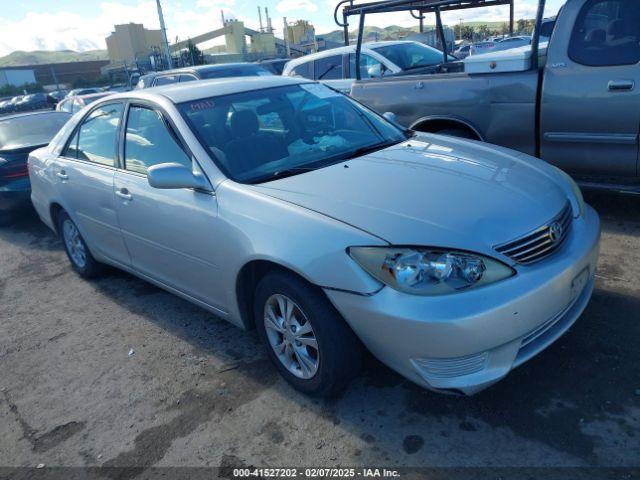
column 278, row 204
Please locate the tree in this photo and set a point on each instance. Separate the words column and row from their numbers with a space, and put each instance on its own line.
column 467, row 31
column 484, row 31
column 192, row 55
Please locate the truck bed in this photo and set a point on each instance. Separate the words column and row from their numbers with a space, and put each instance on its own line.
column 500, row 107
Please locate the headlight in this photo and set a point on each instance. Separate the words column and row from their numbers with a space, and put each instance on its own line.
column 577, row 193
column 429, row 271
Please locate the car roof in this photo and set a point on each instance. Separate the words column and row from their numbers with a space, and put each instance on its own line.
column 346, row 49
column 206, row 68
column 185, row 92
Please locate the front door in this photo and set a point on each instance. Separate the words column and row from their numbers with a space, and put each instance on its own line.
column 170, row 234
column 84, row 174
column 590, row 112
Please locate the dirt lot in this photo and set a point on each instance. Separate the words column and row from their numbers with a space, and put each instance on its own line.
column 197, row 391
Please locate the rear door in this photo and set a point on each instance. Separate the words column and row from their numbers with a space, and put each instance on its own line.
column 590, row 111
column 84, row 174
column 171, row 234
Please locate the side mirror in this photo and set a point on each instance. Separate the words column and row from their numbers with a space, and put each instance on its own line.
column 174, row 175
column 375, row 71
column 391, row 117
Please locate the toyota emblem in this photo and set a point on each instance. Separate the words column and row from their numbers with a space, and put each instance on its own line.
column 555, row 232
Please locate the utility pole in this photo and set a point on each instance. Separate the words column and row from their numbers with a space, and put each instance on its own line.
column 287, row 41
column 163, row 32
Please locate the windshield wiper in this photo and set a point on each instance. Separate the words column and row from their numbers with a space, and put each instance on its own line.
column 284, row 173
column 359, row 152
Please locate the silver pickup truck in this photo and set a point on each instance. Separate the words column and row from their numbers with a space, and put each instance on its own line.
column 578, row 107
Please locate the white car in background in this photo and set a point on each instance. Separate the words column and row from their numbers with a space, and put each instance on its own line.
column 336, row 67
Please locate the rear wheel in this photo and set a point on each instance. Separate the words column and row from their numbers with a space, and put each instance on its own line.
column 79, row 255
column 306, row 338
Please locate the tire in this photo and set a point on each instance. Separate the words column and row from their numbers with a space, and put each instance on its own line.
column 339, row 353
column 77, row 251
column 457, row 132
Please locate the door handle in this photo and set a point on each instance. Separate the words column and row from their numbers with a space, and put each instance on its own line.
column 62, row 175
column 621, row 85
column 124, row 194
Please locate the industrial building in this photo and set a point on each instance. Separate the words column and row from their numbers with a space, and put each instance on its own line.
column 16, row 76
column 130, row 42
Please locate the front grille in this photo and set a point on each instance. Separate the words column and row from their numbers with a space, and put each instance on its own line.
column 540, row 243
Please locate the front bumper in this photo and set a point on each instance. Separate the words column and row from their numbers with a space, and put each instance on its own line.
column 467, row 341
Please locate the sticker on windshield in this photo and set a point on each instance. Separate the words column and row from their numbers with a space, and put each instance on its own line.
column 320, row 91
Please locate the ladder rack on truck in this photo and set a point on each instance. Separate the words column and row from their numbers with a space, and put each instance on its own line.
column 351, row 8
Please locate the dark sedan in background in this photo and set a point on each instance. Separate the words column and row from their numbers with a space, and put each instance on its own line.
column 20, row 134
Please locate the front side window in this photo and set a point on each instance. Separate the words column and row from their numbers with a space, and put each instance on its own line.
column 150, row 141
column 266, row 134
column 328, row 68
column 411, row 55
column 187, row 78
column 606, row 33
column 369, row 66
column 95, row 139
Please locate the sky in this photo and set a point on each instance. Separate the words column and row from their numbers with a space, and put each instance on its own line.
column 83, row 24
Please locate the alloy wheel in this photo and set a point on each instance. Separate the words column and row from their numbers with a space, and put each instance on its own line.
column 291, row 336
column 74, row 243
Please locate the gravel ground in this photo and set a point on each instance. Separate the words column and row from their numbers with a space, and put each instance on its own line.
column 117, row 372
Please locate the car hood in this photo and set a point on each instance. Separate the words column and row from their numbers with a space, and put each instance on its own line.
column 432, row 191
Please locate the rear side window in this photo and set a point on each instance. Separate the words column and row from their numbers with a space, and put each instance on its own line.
column 606, row 33
column 95, row 139
column 165, row 80
column 187, row 78
column 302, row 70
column 328, row 68
column 150, row 141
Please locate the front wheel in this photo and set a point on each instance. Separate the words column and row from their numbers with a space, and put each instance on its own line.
column 79, row 255
column 306, row 338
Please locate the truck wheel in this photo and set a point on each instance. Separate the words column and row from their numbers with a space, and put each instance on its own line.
column 457, row 132
column 306, row 338
column 79, row 255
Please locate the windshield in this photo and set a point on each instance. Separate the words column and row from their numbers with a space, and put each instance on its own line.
column 30, row 130
column 275, row 132
column 411, row 55
column 235, row 71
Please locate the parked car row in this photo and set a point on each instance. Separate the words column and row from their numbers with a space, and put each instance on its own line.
column 24, row 103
